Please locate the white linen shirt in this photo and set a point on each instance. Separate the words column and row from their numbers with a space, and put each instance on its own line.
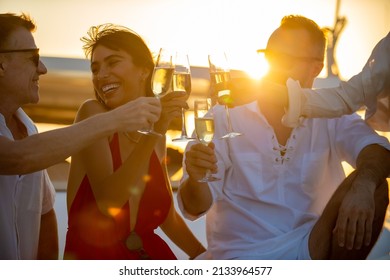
column 266, row 204
column 23, row 199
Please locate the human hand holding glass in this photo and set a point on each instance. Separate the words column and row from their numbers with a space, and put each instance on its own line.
column 161, row 81
column 204, row 129
column 181, row 84
column 219, row 79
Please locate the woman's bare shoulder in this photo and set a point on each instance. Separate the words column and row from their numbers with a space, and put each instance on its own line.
column 89, row 108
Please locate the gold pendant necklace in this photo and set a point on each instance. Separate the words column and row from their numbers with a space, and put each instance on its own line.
column 134, row 242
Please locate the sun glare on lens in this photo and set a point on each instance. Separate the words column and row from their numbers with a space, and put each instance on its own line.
column 252, row 63
column 257, row 68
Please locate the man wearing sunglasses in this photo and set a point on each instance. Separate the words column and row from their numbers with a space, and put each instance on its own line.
column 283, row 193
column 369, row 88
column 28, row 227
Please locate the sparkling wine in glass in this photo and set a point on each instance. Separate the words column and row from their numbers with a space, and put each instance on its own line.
column 181, row 84
column 219, row 79
column 161, row 81
column 204, row 129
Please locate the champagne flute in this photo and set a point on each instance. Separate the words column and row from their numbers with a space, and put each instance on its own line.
column 181, row 83
column 219, row 78
column 161, row 81
column 204, row 129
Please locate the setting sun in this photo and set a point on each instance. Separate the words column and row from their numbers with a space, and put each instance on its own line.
column 254, row 64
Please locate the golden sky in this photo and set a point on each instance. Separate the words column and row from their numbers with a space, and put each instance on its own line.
column 198, row 26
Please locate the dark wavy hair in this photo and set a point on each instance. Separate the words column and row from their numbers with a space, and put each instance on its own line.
column 116, row 37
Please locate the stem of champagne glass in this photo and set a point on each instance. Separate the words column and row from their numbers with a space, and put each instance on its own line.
column 183, row 124
column 230, row 128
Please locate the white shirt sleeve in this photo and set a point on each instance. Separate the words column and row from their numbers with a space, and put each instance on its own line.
column 48, row 193
column 370, row 88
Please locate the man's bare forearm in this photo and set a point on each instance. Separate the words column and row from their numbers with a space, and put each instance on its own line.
column 196, row 197
column 42, row 150
column 373, row 164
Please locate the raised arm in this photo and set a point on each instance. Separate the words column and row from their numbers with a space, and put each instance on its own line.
column 365, row 88
column 42, row 150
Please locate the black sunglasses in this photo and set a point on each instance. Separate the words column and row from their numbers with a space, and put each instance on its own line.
column 35, row 58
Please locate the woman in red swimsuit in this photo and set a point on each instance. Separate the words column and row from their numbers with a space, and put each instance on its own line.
column 118, row 189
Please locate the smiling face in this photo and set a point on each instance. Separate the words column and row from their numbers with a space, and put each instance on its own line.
column 19, row 71
column 115, row 77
